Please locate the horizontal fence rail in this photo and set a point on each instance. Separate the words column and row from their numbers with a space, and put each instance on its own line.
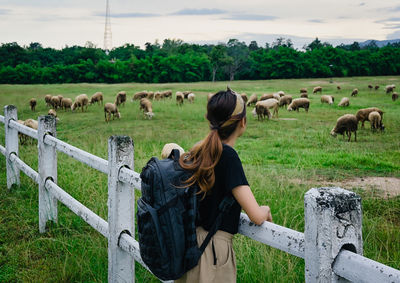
column 25, row 168
column 2, row 119
column 3, row 150
column 24, row 129
column 130, row 177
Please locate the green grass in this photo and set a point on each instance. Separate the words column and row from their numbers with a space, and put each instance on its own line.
column 276, row 154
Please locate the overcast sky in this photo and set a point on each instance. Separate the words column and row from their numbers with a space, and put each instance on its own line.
column 56, row 23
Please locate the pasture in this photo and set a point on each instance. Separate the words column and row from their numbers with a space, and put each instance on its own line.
column 282, row 158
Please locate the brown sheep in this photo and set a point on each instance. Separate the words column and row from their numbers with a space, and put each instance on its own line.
column 370, row 87
column 80, row 101
column 354, row 92
column 362, row 114
column 281, row 93
column 285, row 100
column 395, row 96
column 66, row 103
column 346, row 124
column 299, row 103
column 47, row 99
column 96, row 98
column 261, row 111
column 52, row 112
column 60, row 97
column 111, row 108
column 186, row 94
column 150, row 95
column 269, row 104
column 140, row 95
column 166, row 94
column 244, row 97
column 32, row 104
column 303, row 90
column 147, row 108
column 317, row 89
column 327, row 99
column 157, row 95
column 338, row 87
column 179, row 98
column 266, row 96
column 344, row 102
column 31, row 124
column 55, row 102
column 389, row 88
column 120, row 98
column 376, row 87
column 376, row 121
column 304, row 95
column 252, row 99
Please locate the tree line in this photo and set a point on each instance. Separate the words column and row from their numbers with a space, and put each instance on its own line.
column 177, row 61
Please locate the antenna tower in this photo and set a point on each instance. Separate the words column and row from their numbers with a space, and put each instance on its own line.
column 107, row 31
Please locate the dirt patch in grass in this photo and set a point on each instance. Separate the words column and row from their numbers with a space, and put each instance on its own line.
column 388, row 186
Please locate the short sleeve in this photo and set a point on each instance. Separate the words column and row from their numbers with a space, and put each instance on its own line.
column 233, row 170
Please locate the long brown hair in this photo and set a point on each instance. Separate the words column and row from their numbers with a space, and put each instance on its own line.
column 225, row 109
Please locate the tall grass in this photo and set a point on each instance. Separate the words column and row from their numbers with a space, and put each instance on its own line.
column 282, row 160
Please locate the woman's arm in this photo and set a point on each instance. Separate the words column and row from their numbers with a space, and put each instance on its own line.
column 257, row 214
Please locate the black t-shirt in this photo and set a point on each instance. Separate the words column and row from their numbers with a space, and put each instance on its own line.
column 228, row 175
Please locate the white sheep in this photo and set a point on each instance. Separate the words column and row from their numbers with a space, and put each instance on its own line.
column 191, row 97
column 80, row 101
column 326, row 99
column 376, row 121
column 147, row 108
column 344, row 102
column 271, row 103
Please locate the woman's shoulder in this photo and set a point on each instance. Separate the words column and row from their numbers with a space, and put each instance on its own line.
column 229, row 152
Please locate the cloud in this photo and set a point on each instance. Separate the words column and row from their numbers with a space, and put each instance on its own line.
column 391, row 27
column 394, row 35
column 396, row 9
column 249, row 17
column 128, row 15
column 198, row 12
column 4, row 11
column 362, row 4
column 318, row 21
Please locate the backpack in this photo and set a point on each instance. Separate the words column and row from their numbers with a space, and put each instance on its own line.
column 166, row 217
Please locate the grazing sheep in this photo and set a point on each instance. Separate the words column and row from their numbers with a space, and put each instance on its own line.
column 66, row 103
column 244, row 97
column 281, row 93
column 139, row 95
column 21, row 136
column 31, row 124
column 271, row 103
column 354, row 92
column 326, row 99
column 47, row 99
column 55, row 102
column 120, row 98
column 389, row 88
column 338, row 87
column 60, row 97
column 317, row 89
column 285, row 100
column 344, row 102
column 395, row 96
column 52, row 112
column 376, row 87
column 277, row 96
column 303, row 90
column 150, row 95
column 299, row 103
column 80, row 101
column 179, row 98
column 191, row 97
column 252, row 99
column 266, row 96
column 32, row 104
column 166, row 94
column 147, row 108
column 362, row 114
column 376, row 121
column 96, row 98
column 304, row 95
column 186, row 94
column 167, row 149
column 261, row 111
column 346, row 124
column 111, row 108
column 370, row 87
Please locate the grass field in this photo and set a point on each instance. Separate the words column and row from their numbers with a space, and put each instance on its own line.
column 282, row 160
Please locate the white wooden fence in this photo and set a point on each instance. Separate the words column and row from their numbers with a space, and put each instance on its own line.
column 331, row 245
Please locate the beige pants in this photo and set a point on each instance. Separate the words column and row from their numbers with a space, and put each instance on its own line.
column 216, row 264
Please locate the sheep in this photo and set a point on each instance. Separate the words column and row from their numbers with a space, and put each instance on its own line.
column 252, row 99
column 179, row 98
column 55, row 102
column 80, row 101
column 111, row 108
column 281, row 93
column 186, row 94
column 209, row 95
column 97, row 97
column 326, row 99
column 344, row 102
column 395, row 96
column 354, row 92
column 139, row 95
column 166, row 94
column 261, row 111
column 150, row 95
column 285, row 100
column 376, row 121
column 303, row 90
column 271, row 103
column 52, row 112
column 167, row 149
column 370, row 87
column 266, row 96
column 304, row 95
column 191, row 97
column 32, row 104
column 147, row 108
column 244, row 97
column 29, row 123
column 47, row 99
column 338, row 87
column 376, row 87
column 362, row 114
column 277, row 96
column 60, row 97
column 21, row 136
column 346, row 124
column 120, row 98
column 66, row 103
column 299, row 103
column 317, row 89
column 389, row 88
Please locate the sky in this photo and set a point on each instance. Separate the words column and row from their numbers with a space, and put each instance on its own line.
column 57, row 23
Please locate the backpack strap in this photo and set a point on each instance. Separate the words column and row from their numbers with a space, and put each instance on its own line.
column 175, row 154
column 223, row 207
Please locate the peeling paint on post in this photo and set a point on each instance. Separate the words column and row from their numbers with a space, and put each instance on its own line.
column 333, row 220
column 121, row 209
column 10, row 113
column 47, row 169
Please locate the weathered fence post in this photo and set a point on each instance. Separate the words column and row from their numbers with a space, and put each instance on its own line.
column 47, row 163
column 10, row 113
column 121, row 209
column 333, row 221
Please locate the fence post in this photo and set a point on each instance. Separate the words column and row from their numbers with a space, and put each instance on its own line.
column 47, row 163
column 10, row 113
column 121, row 209
column 333, row 221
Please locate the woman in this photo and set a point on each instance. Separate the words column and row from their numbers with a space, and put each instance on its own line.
column 218, row 171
